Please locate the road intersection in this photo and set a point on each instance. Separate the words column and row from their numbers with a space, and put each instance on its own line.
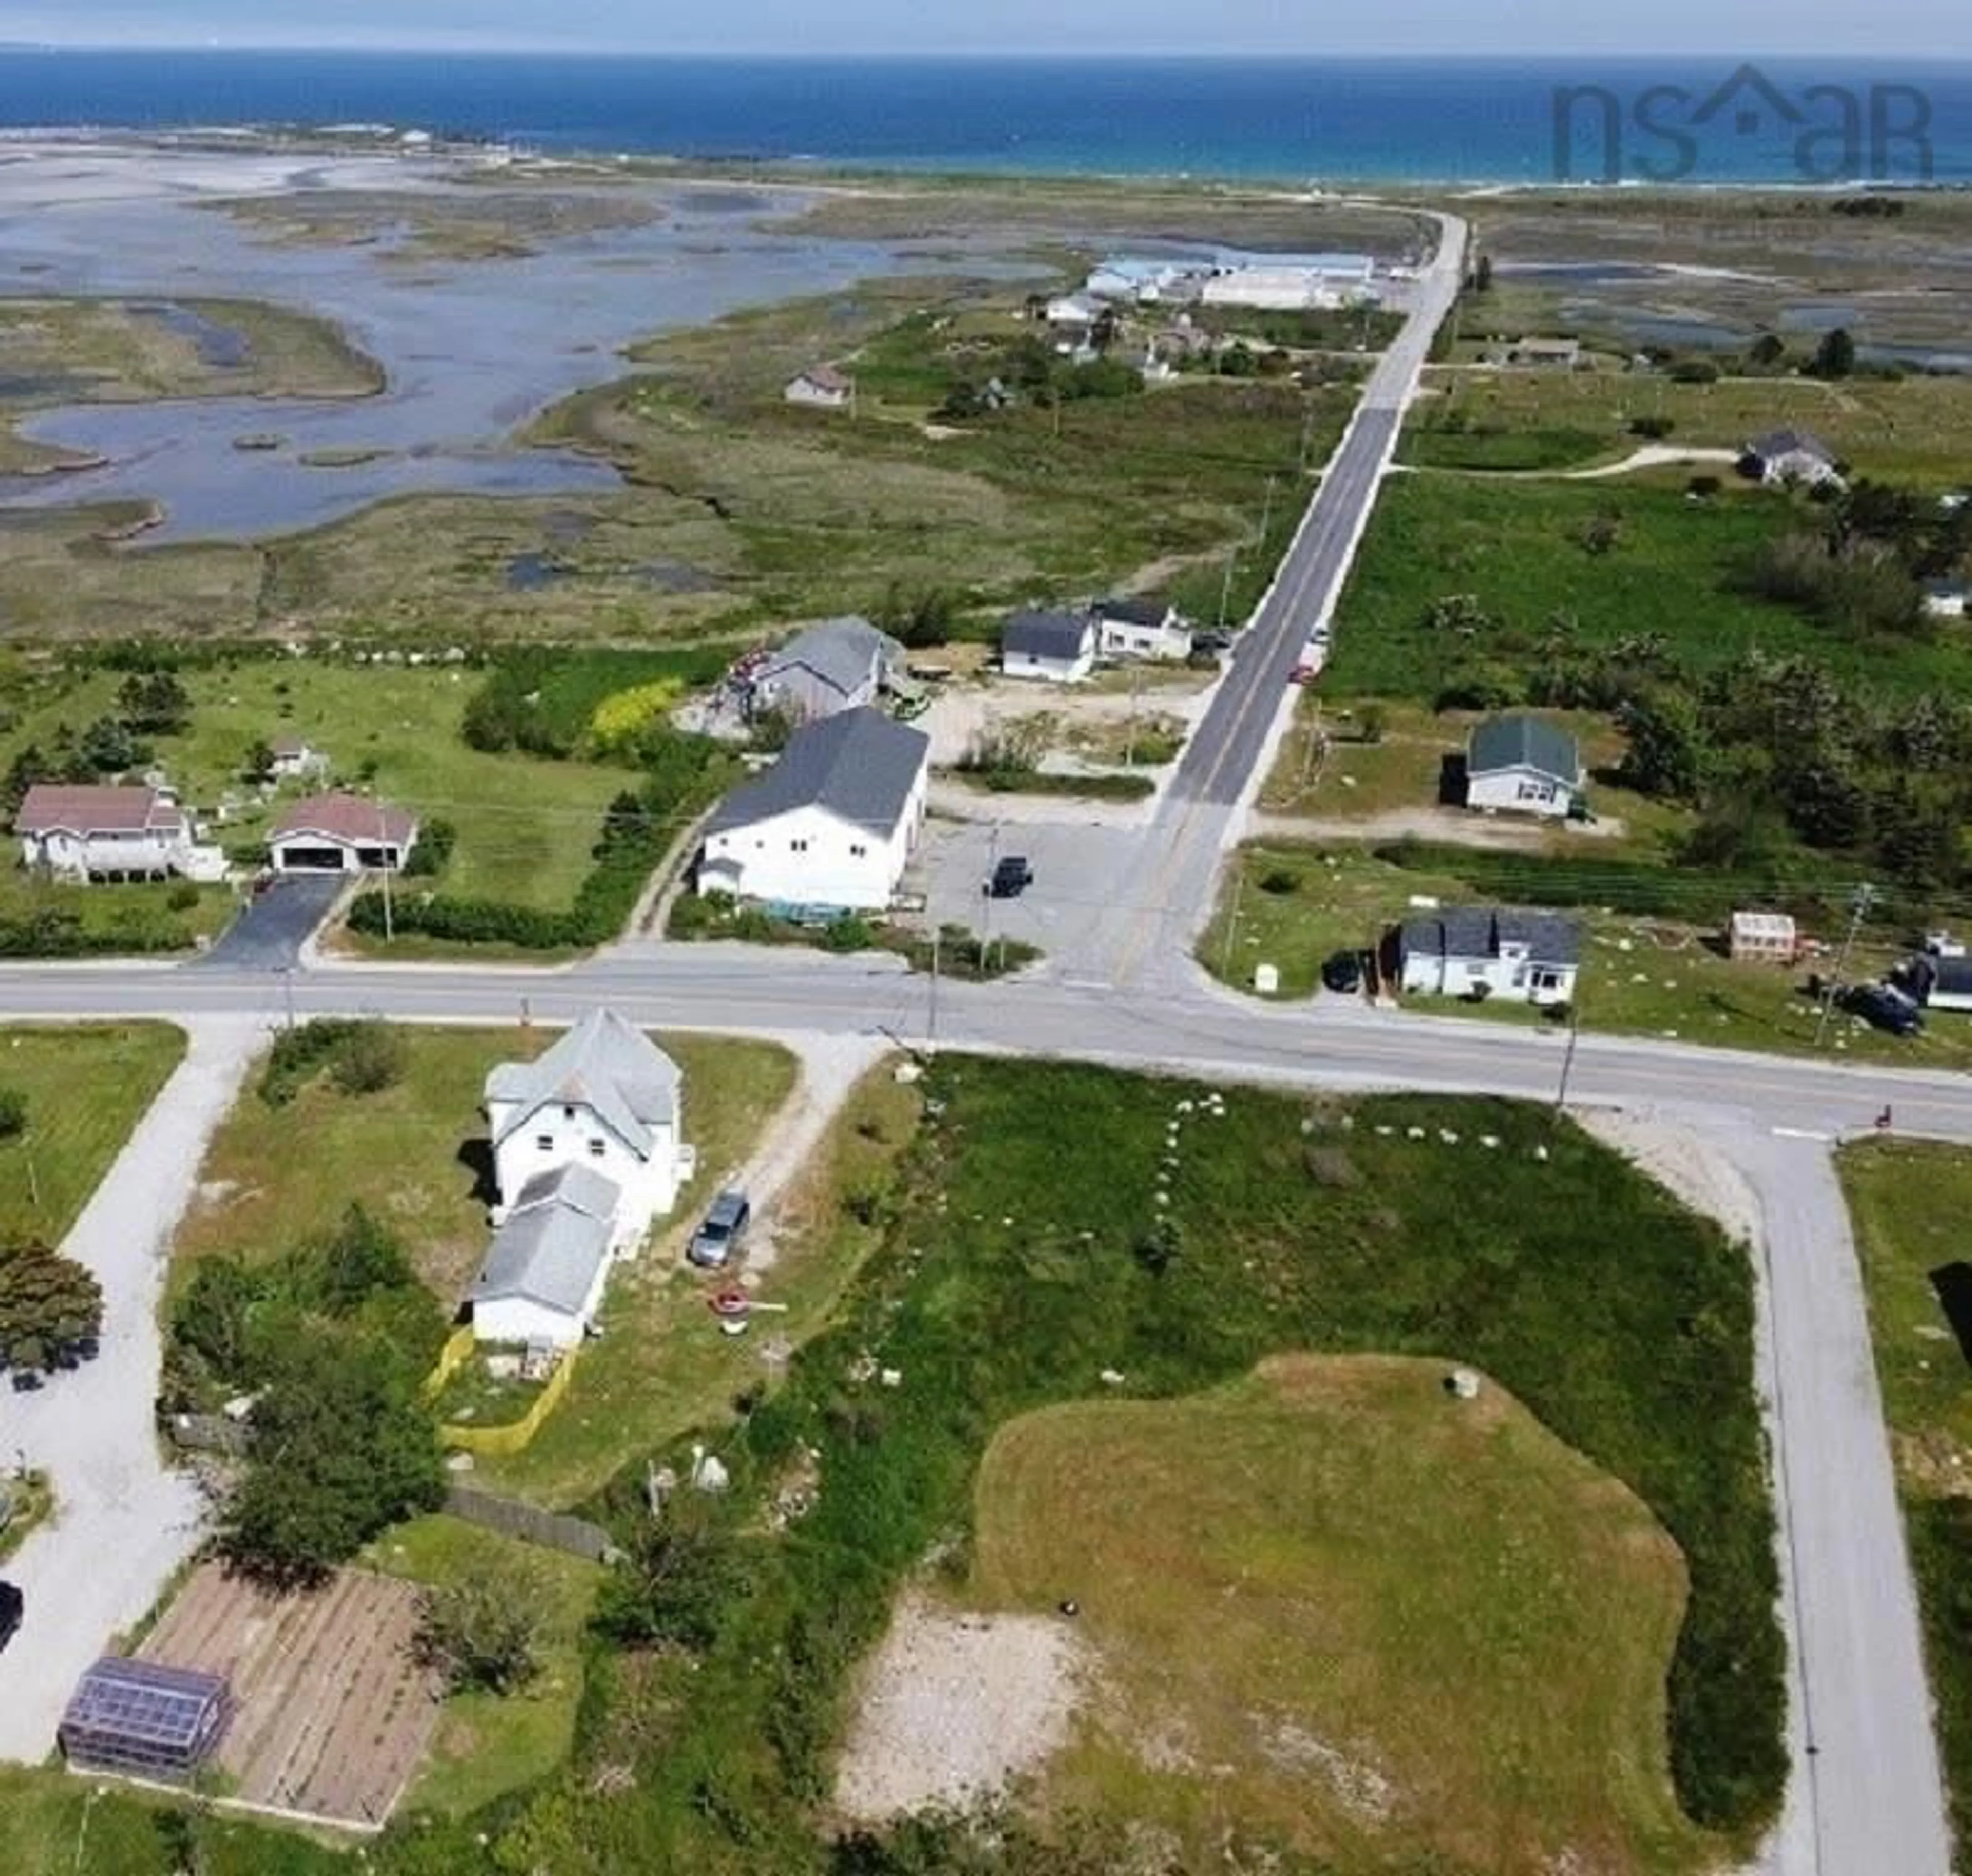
column 1866, row 1796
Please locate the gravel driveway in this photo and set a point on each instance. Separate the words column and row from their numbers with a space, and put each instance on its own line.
column 124, row 1521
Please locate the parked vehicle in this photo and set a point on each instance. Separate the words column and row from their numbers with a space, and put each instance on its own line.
column 1010, row 878
column 1883, row 1007
column 1342, row 972
column 718, row 1239
column 26, row 1380
column 12, row 1605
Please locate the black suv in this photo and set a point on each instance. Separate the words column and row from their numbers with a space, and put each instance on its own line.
column 1010, row 878
column 11, row 1603
column 1883, row 1008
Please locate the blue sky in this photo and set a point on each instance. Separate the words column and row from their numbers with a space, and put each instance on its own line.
column 1920, row 29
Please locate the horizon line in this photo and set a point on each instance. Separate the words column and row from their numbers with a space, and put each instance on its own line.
column 1031, row 55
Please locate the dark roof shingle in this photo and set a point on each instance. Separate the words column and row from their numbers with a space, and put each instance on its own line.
column 1480, row 932
column 860, row 765
column 1045, row 635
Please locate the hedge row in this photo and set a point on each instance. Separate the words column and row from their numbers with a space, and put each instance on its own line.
column 63, row 935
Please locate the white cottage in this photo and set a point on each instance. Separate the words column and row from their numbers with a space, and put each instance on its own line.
column 1522, row 764
column 1492, row 951
column 1141, row 628
column 830, row 827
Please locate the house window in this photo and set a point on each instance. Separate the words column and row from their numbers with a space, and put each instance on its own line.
column 568, row 1113
column 798, row 846
column 596, row 1149
column 544, row 1143
column 858, row 852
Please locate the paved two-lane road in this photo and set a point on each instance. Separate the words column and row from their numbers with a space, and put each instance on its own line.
column 1197, row 821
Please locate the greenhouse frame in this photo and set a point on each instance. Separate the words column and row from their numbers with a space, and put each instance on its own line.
column 144, row 1719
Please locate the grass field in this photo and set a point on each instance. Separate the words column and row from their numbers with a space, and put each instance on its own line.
column 524, row 827
column 1644, row 973
column 822, row 510
column 1517, row 547
column 1907, row 429
column 998, row 1279
column 1908, row 1200
column 87, row 1086
column 414, row 1156
column 1336, row 1609
column 488, row 1745
column 1011, row 1276
column 1354, row 780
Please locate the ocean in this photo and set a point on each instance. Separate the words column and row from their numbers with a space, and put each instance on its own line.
column 1520, row 122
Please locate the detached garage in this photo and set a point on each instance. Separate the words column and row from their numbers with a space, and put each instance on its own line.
column 342, row 834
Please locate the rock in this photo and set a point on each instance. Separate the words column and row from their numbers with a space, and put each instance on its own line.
column 1463, row 1384
column 891, row 1377
column 1110, row 1378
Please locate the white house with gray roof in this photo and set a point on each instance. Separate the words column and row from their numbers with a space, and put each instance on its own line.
column 838, row 665
column 604, row 1098
column 1491, row 951
column 1522, row 764
column 1059, row 648
column 1791, row 456
column 548, row 1264
column 829, row 828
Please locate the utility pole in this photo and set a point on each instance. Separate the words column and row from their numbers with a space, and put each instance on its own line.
column 288, row 992
column 1308, row 748
column 1866, row 897
column 1130, row 728
column 1232, row 923
column 986, row 891
column 931, row 1029
column 383, row 854
column 1226, row 586
column 1267, row 514
column 1568, row 1054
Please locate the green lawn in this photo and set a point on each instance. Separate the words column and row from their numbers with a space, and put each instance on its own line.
column 1366, row 1645
column 999, row 1278
column 645, row 1377
column 1012, row 1276
column 1518, row 546
column 87, row 1086
column 488, row 1745
column 1644, row 973
column 141, row 918
column 1908, row 1201
column 525, row 828
column 1911, row 429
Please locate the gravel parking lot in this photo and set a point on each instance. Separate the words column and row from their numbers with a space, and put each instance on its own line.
column 1079, row 869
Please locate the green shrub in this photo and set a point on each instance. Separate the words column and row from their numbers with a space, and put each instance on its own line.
column 372, row 1057
column 13, row 1114
column 182, row 897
